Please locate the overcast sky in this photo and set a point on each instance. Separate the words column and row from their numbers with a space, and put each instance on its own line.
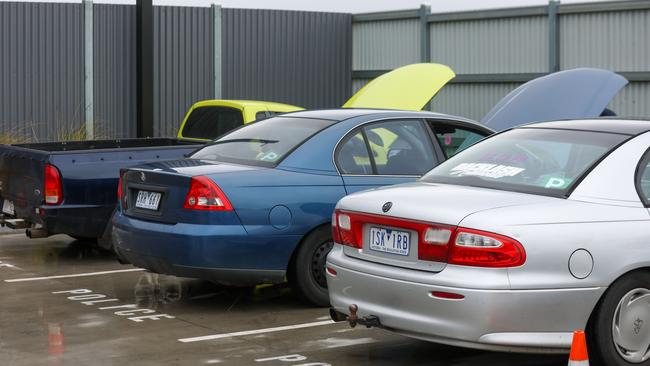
column 344, row 6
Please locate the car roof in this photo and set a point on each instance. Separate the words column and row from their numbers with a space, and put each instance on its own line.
column 244, row 103
column 343, row 114
column 623, row 126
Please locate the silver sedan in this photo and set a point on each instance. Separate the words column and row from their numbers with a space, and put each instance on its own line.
column 510, row 245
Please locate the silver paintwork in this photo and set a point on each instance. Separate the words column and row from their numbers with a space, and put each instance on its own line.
column 534, row 307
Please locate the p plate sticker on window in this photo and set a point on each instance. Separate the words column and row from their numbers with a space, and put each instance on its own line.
column 269, row 156
column 557, row 183
column 485, row 170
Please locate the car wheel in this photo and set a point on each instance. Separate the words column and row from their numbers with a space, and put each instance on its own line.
column 620, row 327
column 307, row 276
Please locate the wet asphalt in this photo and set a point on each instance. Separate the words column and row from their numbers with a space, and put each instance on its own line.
column 134, row 317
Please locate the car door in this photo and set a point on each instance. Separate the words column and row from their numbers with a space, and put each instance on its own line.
column 384, row 153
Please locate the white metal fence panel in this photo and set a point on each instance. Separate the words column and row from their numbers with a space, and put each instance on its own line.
column 490, row 46
column 385, row 44
column 616, row 40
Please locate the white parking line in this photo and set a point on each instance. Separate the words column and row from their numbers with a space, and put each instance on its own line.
column 73, row 275
column 256, row 331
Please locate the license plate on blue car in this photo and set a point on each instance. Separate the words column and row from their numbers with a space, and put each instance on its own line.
column 148, row 200
column 390, row 241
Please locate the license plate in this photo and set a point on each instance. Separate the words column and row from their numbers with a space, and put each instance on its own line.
column 148, row 200
column 8, row 208
column 390, row 241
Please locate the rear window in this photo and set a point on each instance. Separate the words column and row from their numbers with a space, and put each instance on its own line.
column 529, row 160
column 211, row 122
column 263, row 143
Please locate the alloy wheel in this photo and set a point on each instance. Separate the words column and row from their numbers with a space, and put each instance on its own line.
column 630, row 328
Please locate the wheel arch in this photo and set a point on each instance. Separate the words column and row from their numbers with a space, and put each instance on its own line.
column 629, row 272
column 292, row 259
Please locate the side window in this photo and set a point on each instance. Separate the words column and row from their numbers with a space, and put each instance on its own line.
column 454, row 139
column 643, row 179
column 352, row 156
column 265, row 114
column 261, row 115
column 401, row 147
column 211, row 122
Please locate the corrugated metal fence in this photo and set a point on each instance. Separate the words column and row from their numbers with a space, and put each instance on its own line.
column 301, row 58
column 41, row 53
column 314, row 60
column 495, row 51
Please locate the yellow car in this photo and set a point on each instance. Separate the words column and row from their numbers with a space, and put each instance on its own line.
column 209, row 119
column 409, row 87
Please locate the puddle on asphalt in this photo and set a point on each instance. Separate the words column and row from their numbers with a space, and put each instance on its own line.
column 154, row 290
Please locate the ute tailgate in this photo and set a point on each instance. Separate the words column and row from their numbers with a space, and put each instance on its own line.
column 21, row 180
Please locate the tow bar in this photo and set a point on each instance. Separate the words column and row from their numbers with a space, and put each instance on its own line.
column 353, row 319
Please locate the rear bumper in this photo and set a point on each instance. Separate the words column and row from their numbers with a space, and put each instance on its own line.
column 494, row 319
column 226, row 276
column 219, row 253
column 85, row 221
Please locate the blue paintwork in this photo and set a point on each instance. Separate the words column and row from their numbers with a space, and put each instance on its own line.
column 570, row 94
column 274, row 208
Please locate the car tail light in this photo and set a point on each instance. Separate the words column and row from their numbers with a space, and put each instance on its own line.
column 434, row 245
column 484, row 249
column 343, row 231
column 436, row 242
column 53, row 188
column 120, row 190
column 335, row 229
column 204, row 194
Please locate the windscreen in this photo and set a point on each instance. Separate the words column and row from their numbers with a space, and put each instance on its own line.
column 529, row 160
column 208, row 123
column 263, row 143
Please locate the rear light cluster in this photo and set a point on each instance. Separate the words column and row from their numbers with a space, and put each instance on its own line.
column 438, row 243
column 120, row 191
column 205, row 195
column 53, row 190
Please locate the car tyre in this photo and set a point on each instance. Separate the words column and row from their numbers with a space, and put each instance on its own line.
column 307, row 275
column 619, row 330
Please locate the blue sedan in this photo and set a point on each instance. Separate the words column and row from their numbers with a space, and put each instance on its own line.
column 255, row 205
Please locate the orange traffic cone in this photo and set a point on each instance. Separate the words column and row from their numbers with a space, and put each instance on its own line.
column 578, row 356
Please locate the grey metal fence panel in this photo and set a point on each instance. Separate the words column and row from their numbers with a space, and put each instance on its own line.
column 183, row 70
column 385, row 44
column 471, row 100
column 633, row 101
column 300, row 58
column 617, row 40
column 114, row 71
column 41, row 55
column 508, row 45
